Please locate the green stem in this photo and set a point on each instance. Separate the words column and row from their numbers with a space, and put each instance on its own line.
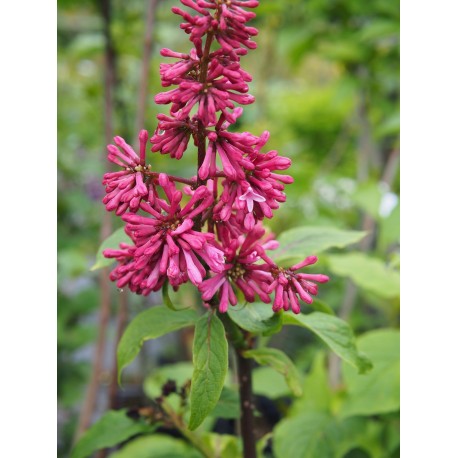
column 193, row 438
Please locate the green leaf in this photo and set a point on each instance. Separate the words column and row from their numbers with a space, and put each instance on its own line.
column 368, row 273
column 112, row 242
column 159, row 446
column 378, row 392
column 228, row 405
column 389, row 228
column 263, row 443
column 335, row 333
column 305, row 436
column 150, row 324
column 113, row 428
column 269, row 382
column 256, row 317
column 281, row 363
column 317, row 393
column 223, row 445
column 210, row 358
column 297, row 243
column 319, row 435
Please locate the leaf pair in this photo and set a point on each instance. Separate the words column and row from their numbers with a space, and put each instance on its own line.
column 210, row 349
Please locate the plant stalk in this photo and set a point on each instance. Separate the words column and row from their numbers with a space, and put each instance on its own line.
column 236, row 335
column 106, row 229
column 244, row 370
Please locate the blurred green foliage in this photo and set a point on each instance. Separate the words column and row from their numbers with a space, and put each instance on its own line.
column 326, row 81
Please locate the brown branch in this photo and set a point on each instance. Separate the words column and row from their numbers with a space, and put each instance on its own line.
column 123, row 303
column 106, row 229
column 123, row 309
column 351, row 292
column 244, row 370
column 368, row 156
column 122, row 315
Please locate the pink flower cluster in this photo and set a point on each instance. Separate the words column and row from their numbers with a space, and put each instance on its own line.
column 166, row 246
column 237, row 184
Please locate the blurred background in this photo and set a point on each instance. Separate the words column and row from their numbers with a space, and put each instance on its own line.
column 326, row 82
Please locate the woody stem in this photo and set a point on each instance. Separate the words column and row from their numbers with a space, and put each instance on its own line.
column 244, row 367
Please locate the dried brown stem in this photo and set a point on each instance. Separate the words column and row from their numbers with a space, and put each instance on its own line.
column 106, row 229
column 120, row 326
column 123, row 305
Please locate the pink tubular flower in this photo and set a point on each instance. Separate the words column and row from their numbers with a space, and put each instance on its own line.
column 221, row 64
column 231, row 147
column 172, row 135
column 228, row 22
column 169, row 242
column 211, row 97
column 125, row 274
column 263, row 189
column 227, row 64
column 231, row 155
column 185, row 68
column 126, row 189
column 166, row 244
column 288, row 284
column 258, row 191
column 241, row 269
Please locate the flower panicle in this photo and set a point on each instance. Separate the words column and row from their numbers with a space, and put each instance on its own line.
column 236, row 186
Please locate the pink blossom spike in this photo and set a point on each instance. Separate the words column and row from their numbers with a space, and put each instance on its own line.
column 164, row 244
column 288, row 285
column 241, row 269
column 126, row 189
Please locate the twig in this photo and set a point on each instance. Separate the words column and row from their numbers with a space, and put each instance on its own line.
column 106, row 229
column 351, row 291
column 120, row 326
column 113, row 386
column 140, row 119
column 123, row 305
column 97, row 363
column 368, row 154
